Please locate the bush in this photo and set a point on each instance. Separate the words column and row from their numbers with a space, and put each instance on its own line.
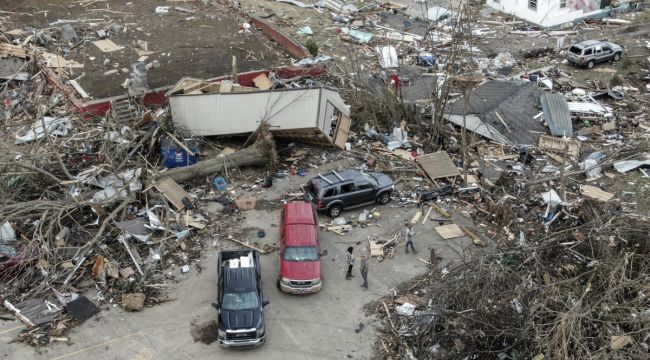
column 312, row 46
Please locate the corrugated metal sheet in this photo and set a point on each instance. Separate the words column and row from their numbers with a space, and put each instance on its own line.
column 556, row 112
column 238, row 113
column 476, row 125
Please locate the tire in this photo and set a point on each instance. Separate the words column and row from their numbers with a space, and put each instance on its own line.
column 334, row 211
column 277, row 283
column 384, row 198
column 617, row 56
column 590, row 64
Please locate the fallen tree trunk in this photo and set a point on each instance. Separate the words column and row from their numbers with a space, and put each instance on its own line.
column 261, row 153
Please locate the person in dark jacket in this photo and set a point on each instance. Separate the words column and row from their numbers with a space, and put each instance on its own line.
column 364, row 271
column 350, row 262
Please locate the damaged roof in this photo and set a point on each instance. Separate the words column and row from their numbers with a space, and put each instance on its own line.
column 515, row 102
column 556, row 112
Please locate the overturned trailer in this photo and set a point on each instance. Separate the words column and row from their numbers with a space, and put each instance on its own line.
column 313, row 115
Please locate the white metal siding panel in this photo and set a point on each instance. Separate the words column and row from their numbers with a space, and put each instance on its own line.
column 223, row 114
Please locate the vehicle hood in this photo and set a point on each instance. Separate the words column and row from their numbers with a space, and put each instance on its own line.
column 383, row 179
column 239, row 319
column 300, row 270
column 614, row 46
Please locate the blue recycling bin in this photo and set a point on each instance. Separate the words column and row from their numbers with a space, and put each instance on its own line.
column 175, row 156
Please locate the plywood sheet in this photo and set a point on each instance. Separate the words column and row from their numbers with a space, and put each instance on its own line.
column 342, row 131
column 449, row 231
column 106, row 45
column 172, row 192
column 438, row 165
column 262, row 82
column 56, row 61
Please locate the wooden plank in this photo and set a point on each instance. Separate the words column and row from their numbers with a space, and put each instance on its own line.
column 416, row 217
column 106, row 45
column 596, row 193
column 449, row 231
column 172, row 191
column 438, row 165
column 475, row 238
column 342, row 131
column 79, row 89
column 427, row 215
column 262, row 82
column 439, row 209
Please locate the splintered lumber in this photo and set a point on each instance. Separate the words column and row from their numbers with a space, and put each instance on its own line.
column 258, row 154
column 439, row 209
column 416, row 217
column 475, row 238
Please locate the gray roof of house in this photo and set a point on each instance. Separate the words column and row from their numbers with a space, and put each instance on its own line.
column 515, row 101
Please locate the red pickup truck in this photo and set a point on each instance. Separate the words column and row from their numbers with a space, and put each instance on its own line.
column 299, row 249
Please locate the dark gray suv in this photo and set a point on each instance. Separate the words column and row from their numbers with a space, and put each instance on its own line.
column 335, row 192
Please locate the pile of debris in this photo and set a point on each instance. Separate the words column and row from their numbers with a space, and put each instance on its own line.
column 580, row 291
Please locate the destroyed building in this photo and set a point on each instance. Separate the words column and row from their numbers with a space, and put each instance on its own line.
column 141, row 140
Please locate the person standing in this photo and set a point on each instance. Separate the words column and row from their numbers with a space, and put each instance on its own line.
column 350, row 262
column 408, row 235
column 364, row 271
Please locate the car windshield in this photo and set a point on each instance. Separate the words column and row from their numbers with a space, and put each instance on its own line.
column 576, row 50
column 371, row 179
column 301, row 253
column 239, row 300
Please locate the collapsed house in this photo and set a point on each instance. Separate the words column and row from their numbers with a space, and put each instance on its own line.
column 314, row 115
column 502, row 111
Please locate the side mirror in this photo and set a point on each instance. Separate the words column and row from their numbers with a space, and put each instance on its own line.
column 265, row 302
column 323, row 252
column 215, row 305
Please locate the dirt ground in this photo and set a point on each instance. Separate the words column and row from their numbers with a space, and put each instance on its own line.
column 197, row 44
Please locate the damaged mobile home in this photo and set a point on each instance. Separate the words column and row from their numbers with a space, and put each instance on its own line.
column 314, row 115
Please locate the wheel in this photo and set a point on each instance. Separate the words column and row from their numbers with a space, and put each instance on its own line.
column 384, row 198
column 617, row 56
column 277, row 283
column 590, row 64
column 334, row 211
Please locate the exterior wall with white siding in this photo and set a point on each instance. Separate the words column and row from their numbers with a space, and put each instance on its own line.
column 548, row 13
column 237, row 113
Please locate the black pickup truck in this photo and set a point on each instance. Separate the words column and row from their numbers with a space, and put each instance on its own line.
column 239, row 299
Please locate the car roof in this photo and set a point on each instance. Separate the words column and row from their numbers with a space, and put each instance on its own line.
column 347, row 175
column 239, row 279
column 586, row 43
column 299, row 212
column 300, row 235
